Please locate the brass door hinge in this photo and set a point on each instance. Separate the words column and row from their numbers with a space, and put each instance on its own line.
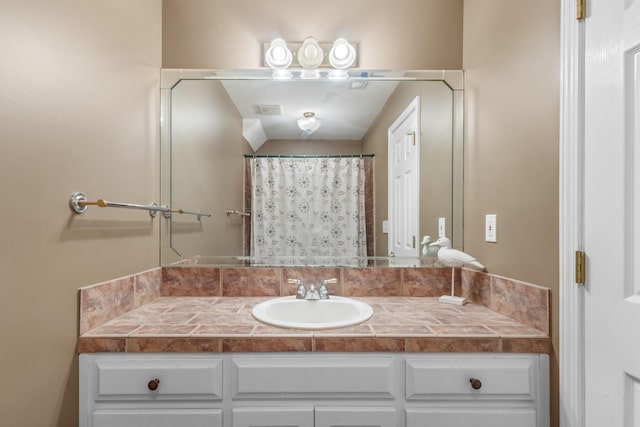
column 581, row 9
column 580, row 267
column 412, row 135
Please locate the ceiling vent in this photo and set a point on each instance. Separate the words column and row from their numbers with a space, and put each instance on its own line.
column 358, row 84
column 269, row 110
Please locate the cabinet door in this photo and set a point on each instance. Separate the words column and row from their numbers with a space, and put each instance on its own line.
column 273, row 417
column 452, row 417
column 355, row 417
column 158, row 418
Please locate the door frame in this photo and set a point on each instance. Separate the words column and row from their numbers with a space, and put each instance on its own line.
column 571, row 238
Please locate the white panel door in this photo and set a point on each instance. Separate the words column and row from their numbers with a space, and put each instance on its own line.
column 404, row 182
column 612, row 213
column 157, row 418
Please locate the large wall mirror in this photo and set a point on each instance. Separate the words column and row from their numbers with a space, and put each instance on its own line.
column 222, row 131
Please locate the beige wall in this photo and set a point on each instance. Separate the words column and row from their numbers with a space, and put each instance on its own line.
column 78, row 112
column 399, row 34
column 511, row 62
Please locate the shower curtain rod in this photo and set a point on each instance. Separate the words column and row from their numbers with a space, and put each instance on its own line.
column 309, row 156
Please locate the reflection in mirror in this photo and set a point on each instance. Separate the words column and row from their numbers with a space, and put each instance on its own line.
column 307, row 208
column 215, row 123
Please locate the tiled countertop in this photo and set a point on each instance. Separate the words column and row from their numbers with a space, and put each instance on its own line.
column 225, row 324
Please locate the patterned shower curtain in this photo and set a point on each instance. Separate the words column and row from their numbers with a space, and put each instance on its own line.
column 308, row 211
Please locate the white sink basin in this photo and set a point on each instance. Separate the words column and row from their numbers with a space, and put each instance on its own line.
column 289, row 312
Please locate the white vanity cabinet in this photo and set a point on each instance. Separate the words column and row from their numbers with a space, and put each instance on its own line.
column 314, row 390
column 492, row 392
column 121, row 390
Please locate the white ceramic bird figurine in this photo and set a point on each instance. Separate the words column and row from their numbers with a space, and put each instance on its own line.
column 425, row 245
column 453, row 257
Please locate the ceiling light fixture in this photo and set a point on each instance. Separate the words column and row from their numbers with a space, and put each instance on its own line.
column 278, row 55
column 308, row 123
column 342, row 55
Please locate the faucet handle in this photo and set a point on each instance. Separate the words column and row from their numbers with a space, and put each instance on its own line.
column 301, row 291
column 324, row 292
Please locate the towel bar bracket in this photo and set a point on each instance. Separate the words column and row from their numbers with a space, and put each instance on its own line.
column 74, row 202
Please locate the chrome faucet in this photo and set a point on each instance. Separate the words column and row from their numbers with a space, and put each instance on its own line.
column 312, row 293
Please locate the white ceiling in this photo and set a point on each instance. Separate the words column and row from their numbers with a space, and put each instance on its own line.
column 345, row 113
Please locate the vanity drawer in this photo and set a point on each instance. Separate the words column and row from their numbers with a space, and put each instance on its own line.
column 326, row 377
column 474, row 378
column 158, row 379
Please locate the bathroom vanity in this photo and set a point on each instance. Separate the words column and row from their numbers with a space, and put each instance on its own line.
column 321, row 390
column 180, row 347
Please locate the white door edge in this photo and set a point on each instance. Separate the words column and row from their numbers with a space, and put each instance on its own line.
column 571, row 333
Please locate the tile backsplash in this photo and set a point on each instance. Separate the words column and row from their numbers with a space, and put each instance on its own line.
column 105, row 301
column 527, row 303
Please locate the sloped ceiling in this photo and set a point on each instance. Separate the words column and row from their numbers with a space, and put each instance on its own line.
column 346, row 108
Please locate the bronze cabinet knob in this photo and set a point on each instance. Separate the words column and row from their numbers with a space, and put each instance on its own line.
column 475, row 383
column 153, row 384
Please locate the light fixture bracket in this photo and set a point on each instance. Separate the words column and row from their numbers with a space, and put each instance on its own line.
column 295, row 46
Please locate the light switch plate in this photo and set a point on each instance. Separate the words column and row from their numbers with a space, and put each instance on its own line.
column 490, row 228
column 442, row 229
column 385, row 226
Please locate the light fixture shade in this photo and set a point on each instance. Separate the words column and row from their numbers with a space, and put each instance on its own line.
column 342, row 55
column 309, row 123
column 278, row 56
column 310, row 54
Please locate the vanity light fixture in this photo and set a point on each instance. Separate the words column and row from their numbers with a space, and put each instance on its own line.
column 308, row 123
column 278, row 55
column 342, row 55
column 310, row 54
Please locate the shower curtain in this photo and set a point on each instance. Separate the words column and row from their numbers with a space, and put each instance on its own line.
column 308, row 211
